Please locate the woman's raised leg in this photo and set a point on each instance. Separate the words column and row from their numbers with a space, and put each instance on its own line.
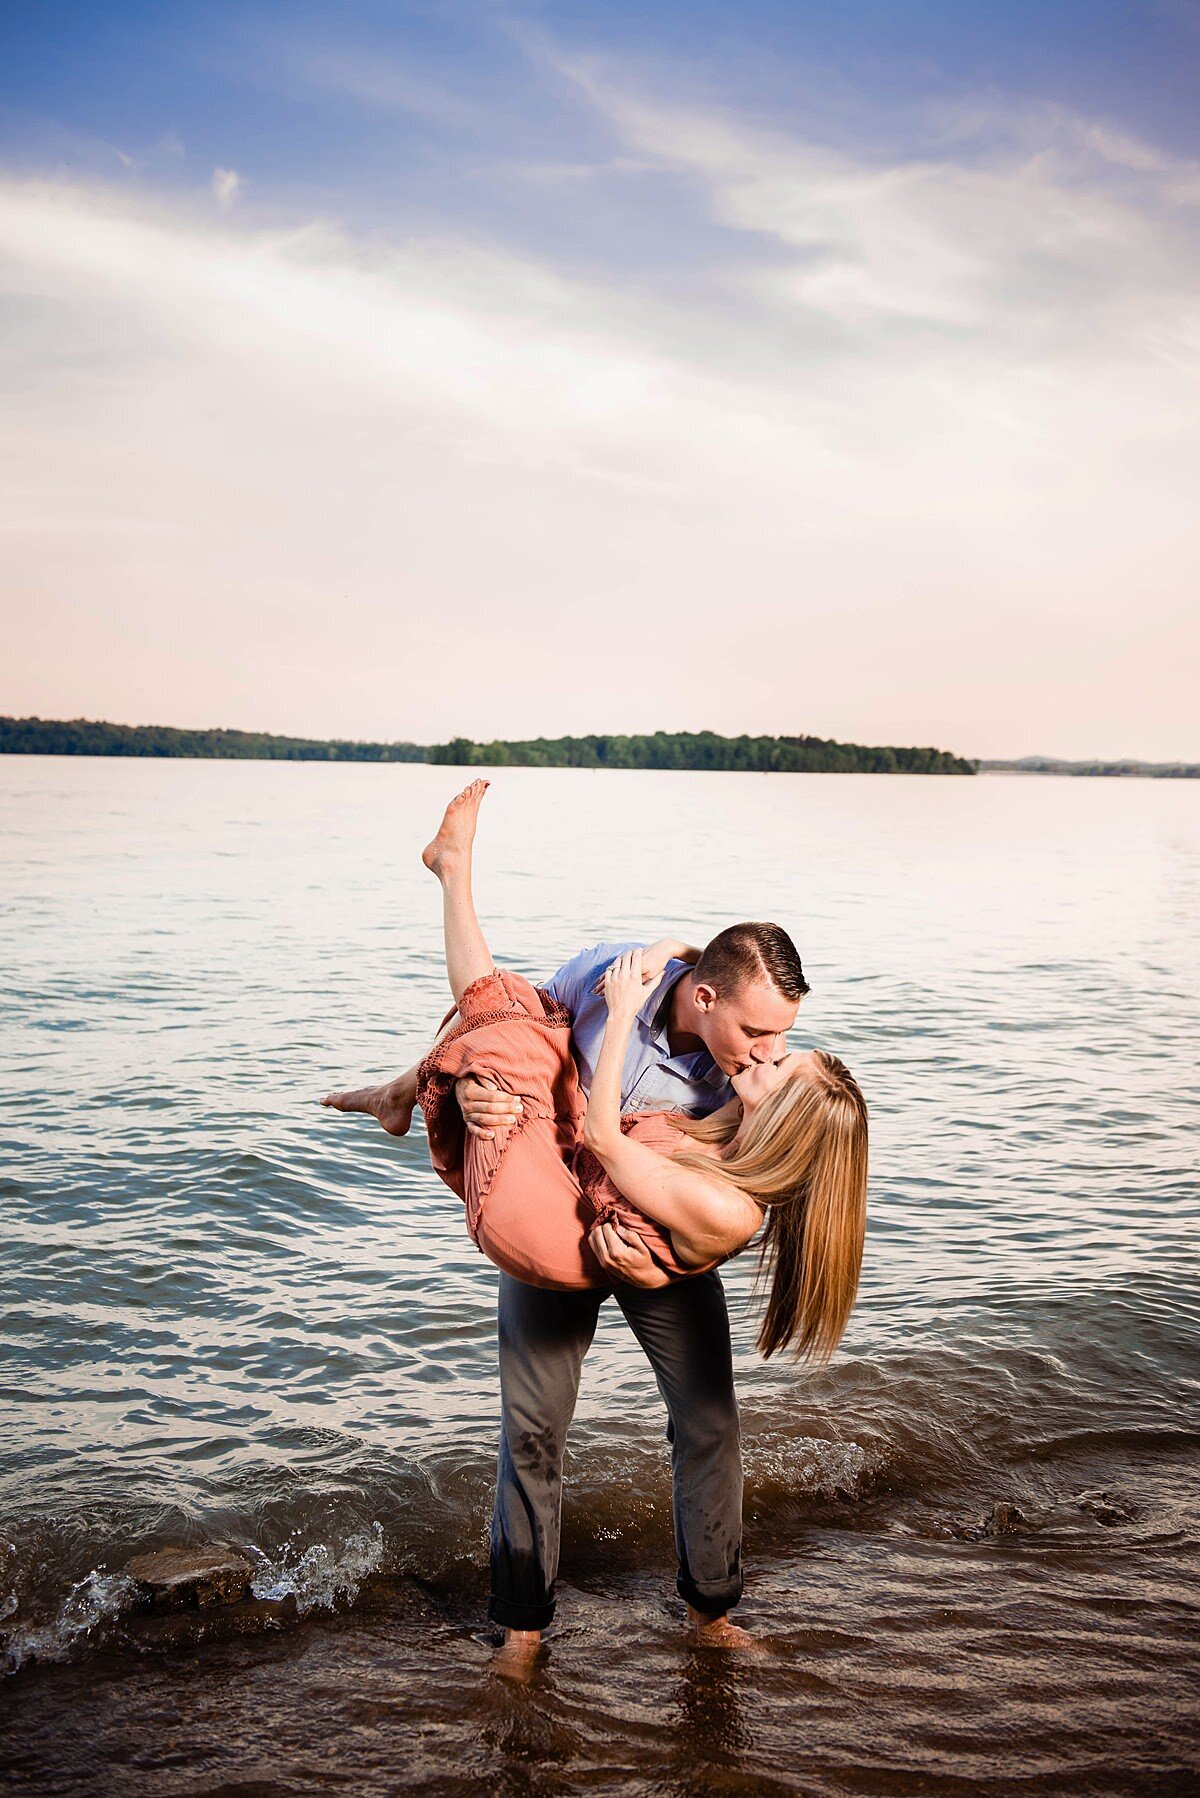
column 468, row 957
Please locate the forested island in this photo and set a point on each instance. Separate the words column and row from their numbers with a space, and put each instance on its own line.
column 700, row 750
column 704, row 750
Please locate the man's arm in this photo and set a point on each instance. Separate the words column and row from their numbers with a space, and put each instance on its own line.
column 577, row 977
column 486, row 1110
column 655, row 957
column 705, row 1220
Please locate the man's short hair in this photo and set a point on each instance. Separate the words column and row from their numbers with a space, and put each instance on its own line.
column 749, row 952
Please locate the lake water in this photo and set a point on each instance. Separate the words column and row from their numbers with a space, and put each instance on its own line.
column 235, row 1317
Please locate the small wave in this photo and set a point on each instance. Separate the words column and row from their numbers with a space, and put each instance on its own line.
column 315, row 1575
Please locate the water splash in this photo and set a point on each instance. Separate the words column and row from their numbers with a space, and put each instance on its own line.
column 93, row 1602
column 813, row 1466
column 319, row 1576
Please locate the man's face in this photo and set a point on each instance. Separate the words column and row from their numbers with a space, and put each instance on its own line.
column 745, row 1026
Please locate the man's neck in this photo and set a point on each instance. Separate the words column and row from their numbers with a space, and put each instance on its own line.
column 681, row 1038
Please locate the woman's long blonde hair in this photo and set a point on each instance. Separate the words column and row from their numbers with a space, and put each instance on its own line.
column 804, row 1158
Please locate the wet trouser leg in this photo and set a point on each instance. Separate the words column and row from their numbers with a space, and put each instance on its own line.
column 684, row 1330
column 543, row 1338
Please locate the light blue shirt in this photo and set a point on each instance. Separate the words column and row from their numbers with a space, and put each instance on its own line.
column 652, row 1079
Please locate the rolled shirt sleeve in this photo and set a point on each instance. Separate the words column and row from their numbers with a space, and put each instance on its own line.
column 573, row 982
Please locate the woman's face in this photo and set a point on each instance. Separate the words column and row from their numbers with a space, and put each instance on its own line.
column 753, row 1084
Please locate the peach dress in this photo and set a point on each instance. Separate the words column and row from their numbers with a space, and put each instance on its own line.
column 533, row 1193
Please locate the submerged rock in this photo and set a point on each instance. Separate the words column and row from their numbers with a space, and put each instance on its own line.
column 1102, row 1506
column 174, row 1579
column 1004, row 1519
column 216, row 1623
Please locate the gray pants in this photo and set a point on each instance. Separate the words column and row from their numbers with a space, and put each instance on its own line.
column 684, row 1330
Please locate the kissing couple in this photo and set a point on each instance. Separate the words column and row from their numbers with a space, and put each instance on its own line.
column 619, row 1132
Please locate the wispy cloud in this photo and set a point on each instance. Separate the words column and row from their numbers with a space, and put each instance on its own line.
column 904, row 454
column 1021, row 242
column 226, row 186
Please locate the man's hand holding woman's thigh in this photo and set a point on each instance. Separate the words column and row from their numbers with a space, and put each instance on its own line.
column 486, row 1109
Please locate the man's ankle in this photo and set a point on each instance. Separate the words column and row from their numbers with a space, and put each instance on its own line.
column 702, row 1619
column 519, row 1655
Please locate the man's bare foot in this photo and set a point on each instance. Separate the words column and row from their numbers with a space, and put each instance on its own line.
column 718, row 1632
column 518, row 1655
column 392, row 1103
column 452, row 843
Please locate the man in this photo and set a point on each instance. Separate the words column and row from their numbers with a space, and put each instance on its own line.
column 699, row 1025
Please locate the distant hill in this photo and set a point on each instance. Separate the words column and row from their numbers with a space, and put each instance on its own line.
column 1048, row 764
column 665, row 749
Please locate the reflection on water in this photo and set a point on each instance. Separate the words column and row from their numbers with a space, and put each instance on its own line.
column 235, row 1317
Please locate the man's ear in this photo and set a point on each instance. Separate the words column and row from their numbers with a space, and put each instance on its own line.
column 704, row 995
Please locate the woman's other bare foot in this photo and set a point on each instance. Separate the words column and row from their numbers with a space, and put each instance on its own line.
column 392, row 1103
column 518, row 1655
column 718, row 1632
column 452, row 844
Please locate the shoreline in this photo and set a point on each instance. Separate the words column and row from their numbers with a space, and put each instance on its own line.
column 1186, row 772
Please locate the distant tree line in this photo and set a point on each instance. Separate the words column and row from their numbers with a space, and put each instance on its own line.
column 702, row 750
column 84, row 736
column 1048, row 764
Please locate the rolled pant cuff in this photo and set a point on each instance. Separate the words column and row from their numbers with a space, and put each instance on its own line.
column 520, row 1616
column 713, row 1600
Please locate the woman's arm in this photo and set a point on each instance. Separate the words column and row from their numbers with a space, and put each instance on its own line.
column 655, row 957
column 705, row 1223
column 622, row 983
column 705, row 1220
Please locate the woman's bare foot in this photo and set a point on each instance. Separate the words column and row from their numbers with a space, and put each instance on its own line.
column 718, row 1632
column 518, row 1655
column 392, row 1103
column 452, row 844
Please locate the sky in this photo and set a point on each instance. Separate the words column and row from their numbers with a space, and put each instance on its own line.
column 402, row 372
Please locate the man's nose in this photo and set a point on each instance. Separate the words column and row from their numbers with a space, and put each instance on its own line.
column 764, row 1048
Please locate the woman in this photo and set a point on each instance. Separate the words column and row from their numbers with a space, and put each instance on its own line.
column 789, row 1151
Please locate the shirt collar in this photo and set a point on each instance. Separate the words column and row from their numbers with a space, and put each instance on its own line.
column 655, row 1014
column 656, row 1010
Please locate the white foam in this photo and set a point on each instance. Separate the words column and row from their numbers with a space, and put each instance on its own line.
column 319, row 1576
column 96, row 1599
